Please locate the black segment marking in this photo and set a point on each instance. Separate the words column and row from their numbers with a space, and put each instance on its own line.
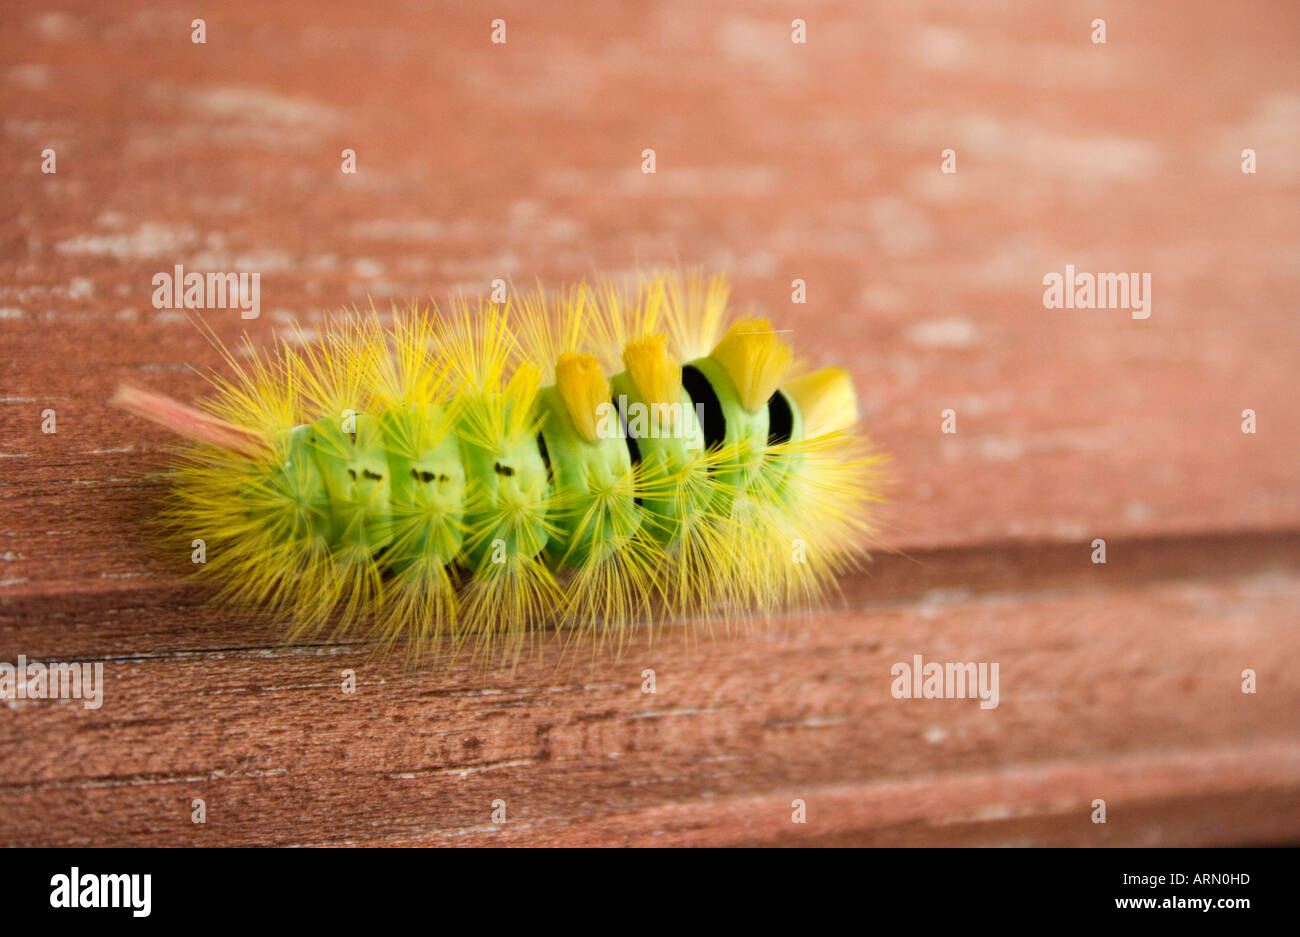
column 703, row 394
column 503, row 469
column 780, row 419
column 366, row 473
column 633, row 450
column 633, row 447
column 546, row 457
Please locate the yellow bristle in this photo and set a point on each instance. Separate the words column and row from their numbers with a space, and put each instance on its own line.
column 583, row 388
column 658, row 378
column 755, row 358
column 826, row 399
column 695, row 309
column 552, row 323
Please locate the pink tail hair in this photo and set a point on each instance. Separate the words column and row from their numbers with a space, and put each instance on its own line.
column 185, row 420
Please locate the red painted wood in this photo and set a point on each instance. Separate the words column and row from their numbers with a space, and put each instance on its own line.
column 775, row 161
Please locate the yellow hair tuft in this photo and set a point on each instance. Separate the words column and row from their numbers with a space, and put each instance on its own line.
column 583, row 388
column 755, row 358
column 826, row 399
column 658, row 378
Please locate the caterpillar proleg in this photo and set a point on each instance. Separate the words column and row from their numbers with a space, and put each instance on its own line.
column 592, row 459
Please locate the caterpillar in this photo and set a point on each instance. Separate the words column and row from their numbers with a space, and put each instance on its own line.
column 585, row 460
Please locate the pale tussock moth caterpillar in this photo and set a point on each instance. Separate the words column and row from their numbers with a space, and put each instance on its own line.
column 591, row 459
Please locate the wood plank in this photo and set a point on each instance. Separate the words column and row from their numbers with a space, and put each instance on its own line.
column 775, row 161
column 1134, row 690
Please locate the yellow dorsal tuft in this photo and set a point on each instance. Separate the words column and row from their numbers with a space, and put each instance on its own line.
column 583, row 388
column 658, row 378
column 755, row 358
column 826, row 399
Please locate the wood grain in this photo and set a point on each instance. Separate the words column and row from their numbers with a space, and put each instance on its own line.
column 775, row 161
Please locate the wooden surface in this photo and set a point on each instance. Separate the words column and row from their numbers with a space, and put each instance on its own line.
column 775, row 161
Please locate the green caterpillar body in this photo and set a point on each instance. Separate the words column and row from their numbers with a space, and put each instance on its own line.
column 406, row 483
column 415, row 476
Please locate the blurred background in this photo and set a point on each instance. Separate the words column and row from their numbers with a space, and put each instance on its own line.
column 775, row 160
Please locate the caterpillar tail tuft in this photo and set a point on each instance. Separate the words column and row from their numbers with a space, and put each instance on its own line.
column 589, row 460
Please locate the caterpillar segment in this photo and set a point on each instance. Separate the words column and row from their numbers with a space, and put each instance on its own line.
column 459, row 477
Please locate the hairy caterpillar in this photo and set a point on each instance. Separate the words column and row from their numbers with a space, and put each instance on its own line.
column 590, row 459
